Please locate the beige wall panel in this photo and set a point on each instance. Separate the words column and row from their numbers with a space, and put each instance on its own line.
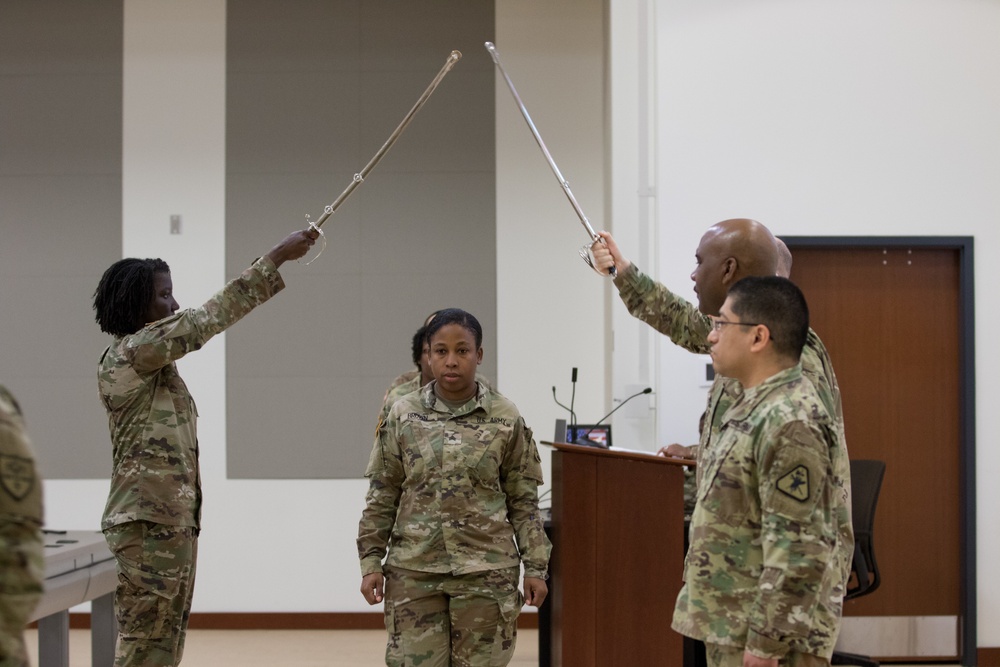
column 60, row 218
column 418, row 235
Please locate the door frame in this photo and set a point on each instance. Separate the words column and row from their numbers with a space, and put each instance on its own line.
column 967, row 401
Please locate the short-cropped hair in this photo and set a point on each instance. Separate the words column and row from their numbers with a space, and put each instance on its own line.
column 778, row 304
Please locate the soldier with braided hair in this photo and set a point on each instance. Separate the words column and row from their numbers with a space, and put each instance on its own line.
column 152, row 517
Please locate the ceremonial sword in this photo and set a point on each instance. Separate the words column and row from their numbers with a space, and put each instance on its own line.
column 585, row 250
column 359, row 177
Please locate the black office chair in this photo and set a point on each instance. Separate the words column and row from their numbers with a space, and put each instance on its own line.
column 866, row 482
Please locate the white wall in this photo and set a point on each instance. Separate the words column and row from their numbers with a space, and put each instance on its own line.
column 550, row 306
column 832, row 118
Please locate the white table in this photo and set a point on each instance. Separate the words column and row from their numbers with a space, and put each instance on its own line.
column 79, row 568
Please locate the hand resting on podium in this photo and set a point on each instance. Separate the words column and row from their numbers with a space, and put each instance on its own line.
column 677, row 451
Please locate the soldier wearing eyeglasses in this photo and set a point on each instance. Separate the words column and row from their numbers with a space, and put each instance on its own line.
column 728, row 251
column 764, row 577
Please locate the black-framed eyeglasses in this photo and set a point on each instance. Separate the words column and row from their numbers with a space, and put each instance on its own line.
column 717, row 324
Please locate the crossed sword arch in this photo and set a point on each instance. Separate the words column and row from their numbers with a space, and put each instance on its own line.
column 454, row 57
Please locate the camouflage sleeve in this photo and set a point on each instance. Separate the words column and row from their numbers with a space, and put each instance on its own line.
column 663, row 310
column 22, row 571
column 798, row 540
column 21, row 562
column 20, row 485
column 385, row 479
column 520, row 475
column 171, row 338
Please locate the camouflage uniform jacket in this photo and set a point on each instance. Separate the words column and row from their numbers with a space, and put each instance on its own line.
column 451, row 490
column 404, row 378
column 397, row 391
column 764, row 569
column 151, row 414
column 688, row 328
column 21, row 561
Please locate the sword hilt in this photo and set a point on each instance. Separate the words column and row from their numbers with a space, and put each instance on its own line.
column 588, row 256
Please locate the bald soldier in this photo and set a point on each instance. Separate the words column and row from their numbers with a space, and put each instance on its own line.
column 728, row 251
column 784, row 268
column 763, row 581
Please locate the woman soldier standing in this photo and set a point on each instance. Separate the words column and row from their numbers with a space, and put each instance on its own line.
column 152, row 518
column 454, row 477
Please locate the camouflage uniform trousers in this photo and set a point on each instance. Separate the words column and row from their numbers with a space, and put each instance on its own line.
column 447, row 620
column 156, row 568
column 20, row 591
column 731, row 656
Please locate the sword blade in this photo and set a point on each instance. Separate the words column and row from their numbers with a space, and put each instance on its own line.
column 359, row 177
column 541, row 143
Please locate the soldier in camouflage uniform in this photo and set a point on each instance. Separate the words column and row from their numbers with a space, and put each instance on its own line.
column 21, row 564
column 152, row 517
column 763, row 581
column 728, row 251
column 453, row 499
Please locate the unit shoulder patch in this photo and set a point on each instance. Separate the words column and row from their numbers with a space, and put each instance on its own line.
column 795, row 483
column 17, row 476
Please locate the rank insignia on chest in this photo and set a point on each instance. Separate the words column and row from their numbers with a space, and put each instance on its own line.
column 795, row 483
column 17, row 476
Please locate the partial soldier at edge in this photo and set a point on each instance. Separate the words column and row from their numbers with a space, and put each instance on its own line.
column 22, row 567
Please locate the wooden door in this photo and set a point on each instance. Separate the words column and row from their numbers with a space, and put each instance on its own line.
column 890, row 319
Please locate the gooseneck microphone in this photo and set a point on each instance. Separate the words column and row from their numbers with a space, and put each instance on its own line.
column 647, row 390
column 572, row 399
column 560, row 404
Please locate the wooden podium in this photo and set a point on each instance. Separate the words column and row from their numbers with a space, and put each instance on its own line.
column 618, row 556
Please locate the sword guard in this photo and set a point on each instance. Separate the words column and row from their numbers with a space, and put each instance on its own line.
column 322, row 235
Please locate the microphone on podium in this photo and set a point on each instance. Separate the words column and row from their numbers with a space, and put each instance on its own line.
column 647, row 390
column 569, row 410
column 572, row 398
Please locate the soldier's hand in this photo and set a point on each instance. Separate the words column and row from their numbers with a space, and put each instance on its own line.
column 535, row 591
column 293, row 246
column 677, row 451
column 750, row 660
column 371, row 587
column 607, row 254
